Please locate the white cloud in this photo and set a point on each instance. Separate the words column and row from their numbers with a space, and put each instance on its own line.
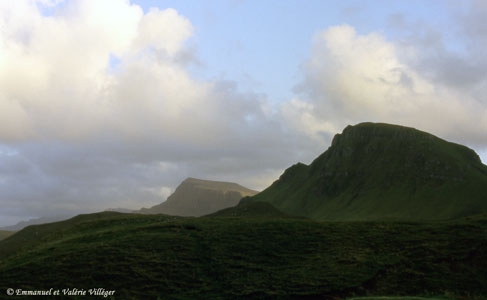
column 301, row 116
column 163, row 30
column 352, row 78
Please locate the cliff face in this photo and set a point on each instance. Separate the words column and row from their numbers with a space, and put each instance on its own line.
column 380, row 171
column 196, row 197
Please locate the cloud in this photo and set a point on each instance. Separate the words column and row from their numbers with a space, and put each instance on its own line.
column 79, row 134
column 352, row 78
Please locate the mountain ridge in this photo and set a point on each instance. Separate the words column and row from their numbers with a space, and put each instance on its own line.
column 35, row 221
column 376, row 171
column 198, row 197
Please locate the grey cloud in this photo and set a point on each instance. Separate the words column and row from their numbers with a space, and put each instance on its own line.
column 110, row 169
column 52, row 178
column 473, row 20
column 456, row 55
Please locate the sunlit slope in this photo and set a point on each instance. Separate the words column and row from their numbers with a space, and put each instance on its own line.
column 379, row 171
column 151, row 256
column 197, row 197
column 4, row 234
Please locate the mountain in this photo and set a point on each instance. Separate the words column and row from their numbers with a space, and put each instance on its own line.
column 197, row 197
column 375, row 171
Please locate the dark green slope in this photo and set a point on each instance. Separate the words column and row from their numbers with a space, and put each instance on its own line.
column 380, row 171
column 33, row 235
column 158, row 257
column 248, row 209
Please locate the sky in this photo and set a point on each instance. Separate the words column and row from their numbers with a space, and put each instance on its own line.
column 111, row 104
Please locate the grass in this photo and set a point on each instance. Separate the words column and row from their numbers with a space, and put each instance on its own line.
column 151, row 256
column 249, row 209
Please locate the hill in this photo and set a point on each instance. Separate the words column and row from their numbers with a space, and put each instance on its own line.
column 376, row 171
column 161, row 257
column 33, row 235
column 196, row 197
column 247, row 209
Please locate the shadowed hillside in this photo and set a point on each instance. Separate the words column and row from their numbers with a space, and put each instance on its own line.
column 196, row 197
column 247, row 209
column 36, row 234
column 381, row 171
column 155, row 256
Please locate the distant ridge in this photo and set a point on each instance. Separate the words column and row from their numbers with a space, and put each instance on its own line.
column 197, row 197
column 22, row 224
column 376, row 171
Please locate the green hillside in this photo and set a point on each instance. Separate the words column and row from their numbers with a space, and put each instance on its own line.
column 247, row 209
column 161, row 257
column 380, row 171
column 36, row 234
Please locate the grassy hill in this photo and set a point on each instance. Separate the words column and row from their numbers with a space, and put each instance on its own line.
column 197, row 197
column 380, row 171
column 156, row 256
column 247, row 209
column 36, row 234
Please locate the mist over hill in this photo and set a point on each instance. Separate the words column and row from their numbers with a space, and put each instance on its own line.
column 380, row 171
column 4, row 234
column 197, row 197
column 42, row 220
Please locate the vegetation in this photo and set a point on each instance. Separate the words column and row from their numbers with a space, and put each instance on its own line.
column 381, row 171
column 249, row 209
column 151, row 256
column 35, row 234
